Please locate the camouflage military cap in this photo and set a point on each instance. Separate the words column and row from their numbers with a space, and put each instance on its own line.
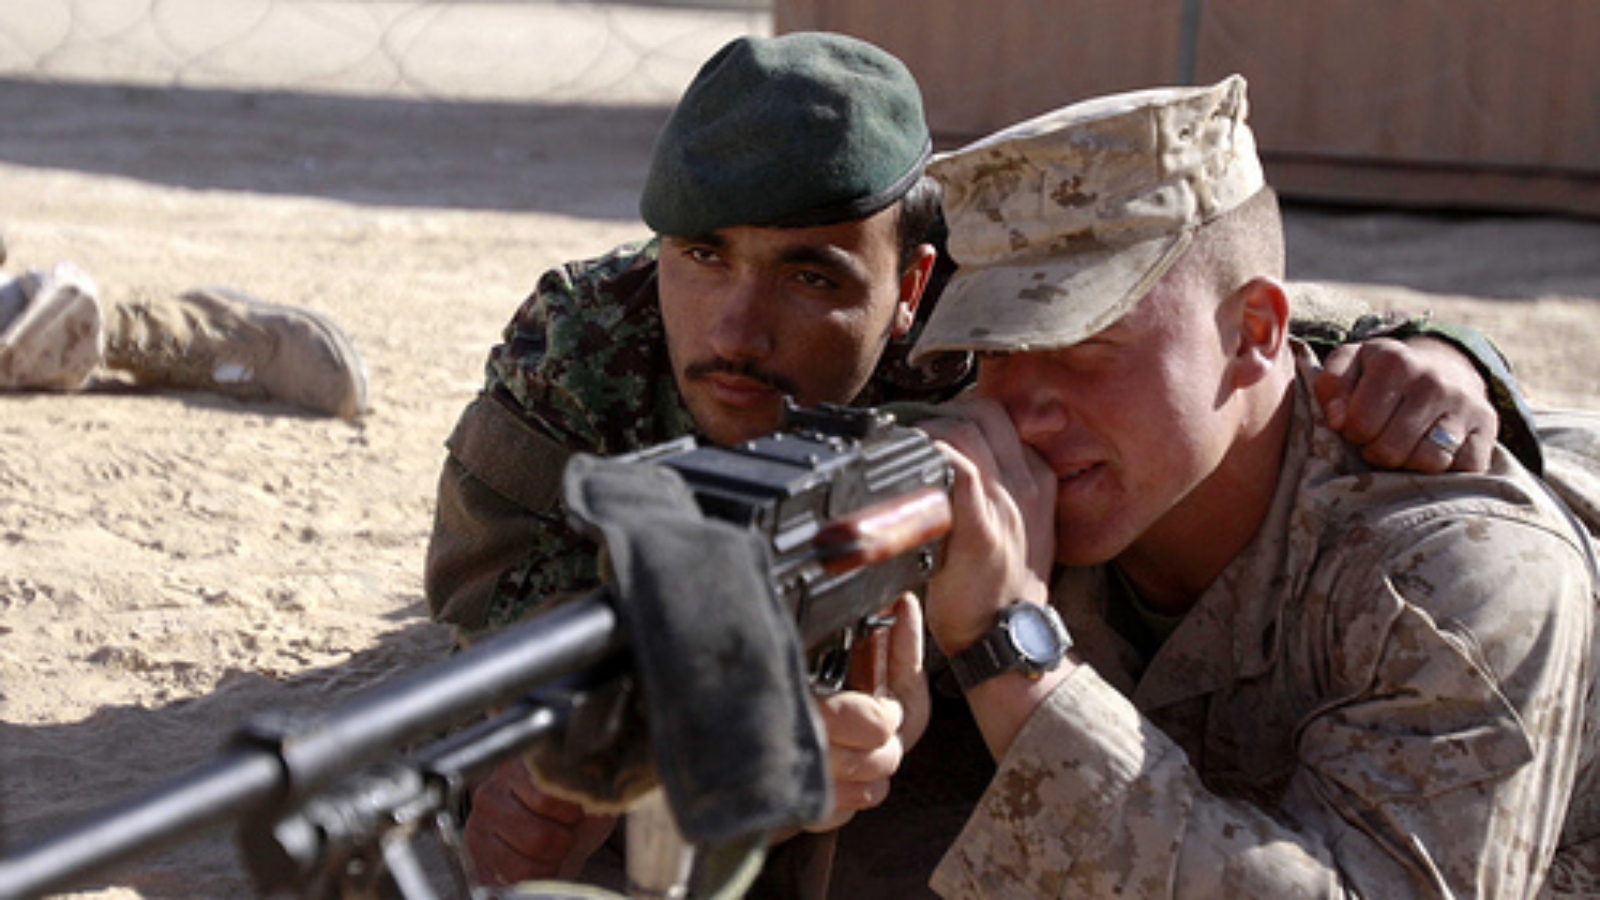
column 1062, row 223
column 799, row 130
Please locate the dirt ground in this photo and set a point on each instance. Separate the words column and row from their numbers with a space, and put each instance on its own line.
column 172, row 563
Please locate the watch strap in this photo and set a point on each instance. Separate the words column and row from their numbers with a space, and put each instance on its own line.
column 997, row 652
column 990, row 656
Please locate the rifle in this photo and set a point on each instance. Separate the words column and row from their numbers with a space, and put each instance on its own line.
column 332, row 803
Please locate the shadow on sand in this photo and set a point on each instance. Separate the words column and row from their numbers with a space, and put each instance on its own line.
column 444, row 154
column 123, row 752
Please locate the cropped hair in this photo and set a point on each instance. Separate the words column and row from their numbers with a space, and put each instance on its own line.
column 1244, row 243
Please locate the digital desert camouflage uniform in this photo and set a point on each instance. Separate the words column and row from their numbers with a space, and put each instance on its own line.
column 1389, row 693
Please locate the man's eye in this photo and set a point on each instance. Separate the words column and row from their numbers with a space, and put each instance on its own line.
column 815, row 280
column 702, row 255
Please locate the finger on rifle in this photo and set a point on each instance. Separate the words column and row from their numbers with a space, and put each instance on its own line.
column 588, row 835
column 535, row 799
column 1008, row 466
column 1000, row 436
column 908, row 683
column 851, row 766
column 980, row 429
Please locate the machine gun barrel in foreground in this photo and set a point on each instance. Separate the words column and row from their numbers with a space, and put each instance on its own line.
column 854, row 508
column 280, row 761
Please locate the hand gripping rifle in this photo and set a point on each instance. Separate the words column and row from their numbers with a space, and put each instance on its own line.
column 332, row 804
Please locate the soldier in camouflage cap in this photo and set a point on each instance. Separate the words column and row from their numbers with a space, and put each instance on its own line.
column 1080, row 212
column 1291, row 674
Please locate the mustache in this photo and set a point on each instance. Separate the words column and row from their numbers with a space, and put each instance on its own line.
column 698, row 370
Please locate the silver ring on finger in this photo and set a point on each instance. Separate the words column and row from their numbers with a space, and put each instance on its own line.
column 1441, row 437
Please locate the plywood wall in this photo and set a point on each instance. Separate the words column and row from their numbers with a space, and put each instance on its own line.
column 1432, row 103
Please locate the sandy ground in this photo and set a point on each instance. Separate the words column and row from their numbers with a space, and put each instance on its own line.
column 171, row 563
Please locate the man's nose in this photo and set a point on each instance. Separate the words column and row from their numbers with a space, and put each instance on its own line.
column 1034, row 406
column 742, row 327
column 1038, row 417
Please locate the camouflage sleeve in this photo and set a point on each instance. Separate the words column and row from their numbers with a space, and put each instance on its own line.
column 501, row 546
column 573, row 373
column 1326, row 317
column 1093, row 801
column 1434, row 759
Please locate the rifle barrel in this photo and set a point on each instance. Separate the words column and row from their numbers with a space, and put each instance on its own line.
column 190, row 804
column 282, row 760
column 494, row 673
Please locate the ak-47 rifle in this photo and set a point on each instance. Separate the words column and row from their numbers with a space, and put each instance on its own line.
column 330, row 804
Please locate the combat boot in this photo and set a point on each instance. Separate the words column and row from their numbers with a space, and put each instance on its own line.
column 222, row 340
column 51, row 329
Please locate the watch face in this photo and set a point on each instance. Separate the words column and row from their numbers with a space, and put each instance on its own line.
column 1034, row 636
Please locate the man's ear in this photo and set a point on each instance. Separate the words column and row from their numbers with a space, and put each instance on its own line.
column 913, row 282
column 1263, row 309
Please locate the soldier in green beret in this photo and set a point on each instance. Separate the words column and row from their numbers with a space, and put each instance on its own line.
column 791, row 214
column 792, row 218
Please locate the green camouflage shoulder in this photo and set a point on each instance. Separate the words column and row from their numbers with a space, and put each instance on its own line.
column 559, row 563
column 585, row 359
column 585, row 356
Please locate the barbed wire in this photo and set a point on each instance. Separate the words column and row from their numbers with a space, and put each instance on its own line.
column 556, row 50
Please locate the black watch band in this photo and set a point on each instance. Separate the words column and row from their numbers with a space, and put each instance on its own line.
column 1027, row 637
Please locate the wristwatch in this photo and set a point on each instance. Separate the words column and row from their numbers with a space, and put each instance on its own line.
column 1028, row 638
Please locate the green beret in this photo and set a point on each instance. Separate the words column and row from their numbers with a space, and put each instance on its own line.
column 793, row 131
